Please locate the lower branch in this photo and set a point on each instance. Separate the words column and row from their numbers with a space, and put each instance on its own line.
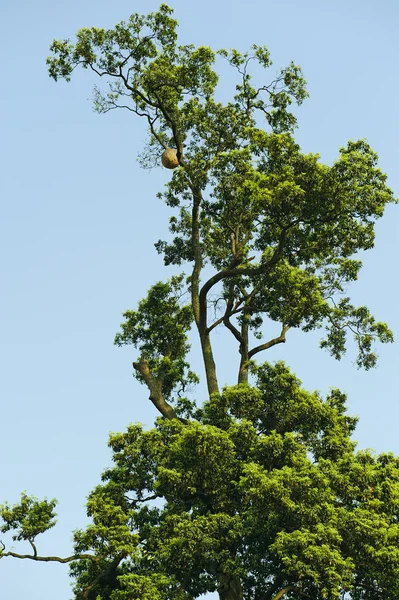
column 155, row 387
column 52, row 558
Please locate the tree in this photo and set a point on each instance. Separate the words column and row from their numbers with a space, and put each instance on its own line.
column 258, row 493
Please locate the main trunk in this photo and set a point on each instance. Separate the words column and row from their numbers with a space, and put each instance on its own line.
column 243, row 370
column 244, row 350
column 200, row 309
column 229, row 588
column 210, row 367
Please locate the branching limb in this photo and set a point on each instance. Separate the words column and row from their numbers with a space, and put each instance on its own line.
column 175, row 133
column 196, row 247
column 250, row 271
column 135, row 502
column 290, row 588
column 226, row 320
column 51, row 558
column 278, row 340
column 231, row 313
column 154, row 384
column 33, row 547
column 139, row 93
column 111, row 567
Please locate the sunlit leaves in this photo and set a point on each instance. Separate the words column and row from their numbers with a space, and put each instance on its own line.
column 265, row 487
column 158, row 329
column 28, row 518
column 260, row 191
column 259, row 489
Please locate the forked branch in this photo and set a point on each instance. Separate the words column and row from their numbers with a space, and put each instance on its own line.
column 290, row 588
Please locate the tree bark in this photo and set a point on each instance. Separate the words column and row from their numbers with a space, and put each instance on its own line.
column 290, row 588
column 278, row 340
column 209, row 363
column 198, row 303
column 243, row 371
column 155, row 387
column 244, row 349
column 229, row 588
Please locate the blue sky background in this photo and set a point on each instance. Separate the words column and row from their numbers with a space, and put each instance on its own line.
column 79, row 218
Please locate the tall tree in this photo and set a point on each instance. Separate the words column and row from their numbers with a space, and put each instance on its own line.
column 258, row 493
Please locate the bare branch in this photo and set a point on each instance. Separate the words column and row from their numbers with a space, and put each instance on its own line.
column 234, row 330
column 278, row 340
column 52, row 558
column 221, row 319
column 33, row 547
column 121, row 76
column 226, row 320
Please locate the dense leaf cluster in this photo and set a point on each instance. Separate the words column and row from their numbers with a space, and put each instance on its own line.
column 158, row 329
column 262, row 492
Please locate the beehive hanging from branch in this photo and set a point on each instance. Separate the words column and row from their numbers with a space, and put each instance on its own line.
column 169, row 158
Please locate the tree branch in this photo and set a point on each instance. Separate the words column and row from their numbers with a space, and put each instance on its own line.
column 233, row 272
column 154, row 384
column 51, row 558
column 221, row 319
column 278, row 340
column 111, row 567
column 33, row 547
column 290, row 588
column 172, row 125
column 196, row 247
column 228, row 313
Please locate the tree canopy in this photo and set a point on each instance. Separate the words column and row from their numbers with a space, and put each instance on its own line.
column 256, row 493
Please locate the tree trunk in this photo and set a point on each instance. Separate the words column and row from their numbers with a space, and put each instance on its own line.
column 244, row 350
column 210, row 366
column 229, row 588
column 200, row 308
column 243, row 370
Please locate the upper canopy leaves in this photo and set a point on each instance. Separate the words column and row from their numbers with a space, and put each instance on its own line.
column 279, row 227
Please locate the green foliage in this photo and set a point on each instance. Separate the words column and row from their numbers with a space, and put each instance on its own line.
column 258, row 493
column 158, row 329
column 266, row 488
column 160, row 324
column 315, row 217
column 279, row 228
column 28, row 518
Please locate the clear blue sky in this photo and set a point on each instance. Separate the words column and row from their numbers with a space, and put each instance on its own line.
column 79, row 218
